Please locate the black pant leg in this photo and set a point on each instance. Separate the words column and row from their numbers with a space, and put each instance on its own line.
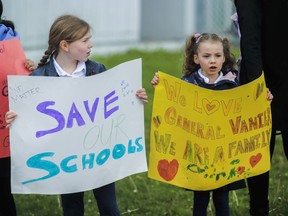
column 221, row 202
column 7, row 204
column 200, row 203
column 106, row 200
column 73, row 204
column 259, row 186
column 258, row 190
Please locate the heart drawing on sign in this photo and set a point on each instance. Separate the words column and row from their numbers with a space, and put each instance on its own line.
column 210, row 106
column 168, row 170
column 254, row 159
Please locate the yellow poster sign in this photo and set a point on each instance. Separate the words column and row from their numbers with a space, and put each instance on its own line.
column 203, row 139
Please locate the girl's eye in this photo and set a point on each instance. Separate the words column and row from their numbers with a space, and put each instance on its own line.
column 86, row 39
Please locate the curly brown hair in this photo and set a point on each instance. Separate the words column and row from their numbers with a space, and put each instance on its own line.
column 191, row 49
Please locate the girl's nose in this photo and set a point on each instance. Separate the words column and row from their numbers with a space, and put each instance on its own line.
column 90, row 45
column 212, row 59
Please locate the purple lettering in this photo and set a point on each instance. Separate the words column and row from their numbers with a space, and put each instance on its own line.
column 92, row 112
column 74, row 114
column 42, row 107
column 107, row 102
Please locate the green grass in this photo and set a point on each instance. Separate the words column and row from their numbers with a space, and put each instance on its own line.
column 139, row 195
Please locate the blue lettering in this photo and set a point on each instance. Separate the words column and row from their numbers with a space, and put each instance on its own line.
column 42, row 107
column 89, row 161
column 67, row 165
column 140, row 147
column 38, row 163
column 64, row 164
column 103, row 157
column 118, row 151
column 131, row 148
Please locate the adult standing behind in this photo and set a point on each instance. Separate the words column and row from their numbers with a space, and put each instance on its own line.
column 7, row 204
column 262, row 23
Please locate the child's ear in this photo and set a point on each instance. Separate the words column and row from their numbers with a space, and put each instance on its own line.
column 63, row 45
column 196, row 59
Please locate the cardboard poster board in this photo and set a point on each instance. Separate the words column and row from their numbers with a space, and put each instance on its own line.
column 203, row 139
column 12, row 59
column 76, row 134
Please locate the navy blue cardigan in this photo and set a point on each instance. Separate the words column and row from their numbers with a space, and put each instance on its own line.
column 92, row 68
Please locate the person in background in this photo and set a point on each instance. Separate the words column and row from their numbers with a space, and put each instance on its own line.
column 69, row 47
column 260, row 23
column 210, row 64
column 7, row 203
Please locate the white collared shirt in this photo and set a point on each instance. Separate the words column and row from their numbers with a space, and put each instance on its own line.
column 206, row 79
column 80, row 70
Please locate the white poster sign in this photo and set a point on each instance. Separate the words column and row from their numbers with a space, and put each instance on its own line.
column 76, row 134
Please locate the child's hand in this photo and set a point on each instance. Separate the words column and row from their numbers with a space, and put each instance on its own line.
column 142, row 95
column 269, row 95
column 155, row 80
column 30, row 65
column 9, row 118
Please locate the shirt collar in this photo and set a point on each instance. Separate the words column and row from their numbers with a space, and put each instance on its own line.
column 80, row 70
column 206, row 79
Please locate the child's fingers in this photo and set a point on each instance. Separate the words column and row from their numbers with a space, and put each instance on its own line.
column 9, row 118
column 269, row 95
column 30, row 65
column 142, row 95
column 155, row 80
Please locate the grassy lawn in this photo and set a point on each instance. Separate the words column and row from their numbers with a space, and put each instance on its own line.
column 139, row 195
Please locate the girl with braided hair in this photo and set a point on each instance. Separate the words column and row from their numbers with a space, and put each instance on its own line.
column 69, row 47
